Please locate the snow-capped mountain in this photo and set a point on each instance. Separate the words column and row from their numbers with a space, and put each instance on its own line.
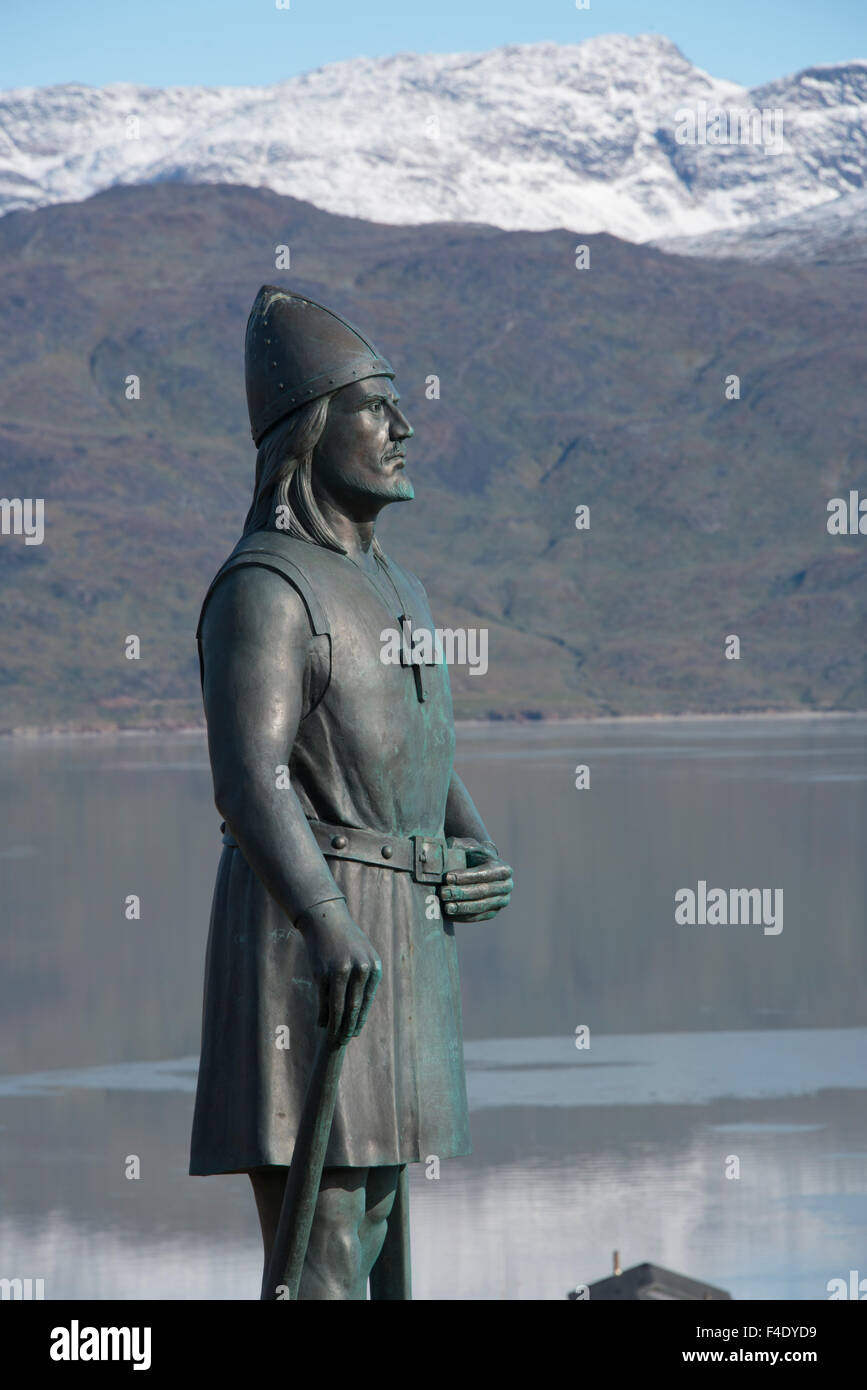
column 615, row 134
column 834, row 231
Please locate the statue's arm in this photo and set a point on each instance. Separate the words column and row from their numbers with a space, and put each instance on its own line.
column 254, row 641
column 463, row 820
column 484, row 887
column 255, row 637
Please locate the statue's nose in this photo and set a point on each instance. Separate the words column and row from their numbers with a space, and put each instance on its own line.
column 402, row 429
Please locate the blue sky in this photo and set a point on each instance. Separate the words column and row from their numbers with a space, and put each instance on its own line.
column 241, row 42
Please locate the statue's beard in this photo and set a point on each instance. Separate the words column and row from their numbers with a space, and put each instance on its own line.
column 360, row 485
column 398, row 488
column 392, row 485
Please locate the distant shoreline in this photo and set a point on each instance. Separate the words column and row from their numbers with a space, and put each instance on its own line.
column 28, row 735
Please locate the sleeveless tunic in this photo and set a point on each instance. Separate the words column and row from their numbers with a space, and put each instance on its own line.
column 370, row 755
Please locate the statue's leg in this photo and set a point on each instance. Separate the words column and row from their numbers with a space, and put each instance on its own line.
column 268, row 1187
column 348, row 1230
column 391, row 1275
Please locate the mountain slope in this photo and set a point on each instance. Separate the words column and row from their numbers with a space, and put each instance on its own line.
column 558, row 387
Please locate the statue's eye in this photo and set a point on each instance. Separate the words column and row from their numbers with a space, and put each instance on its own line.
column 376, row 405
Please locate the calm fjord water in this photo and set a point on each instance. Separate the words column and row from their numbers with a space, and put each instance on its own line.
column 707, row 1043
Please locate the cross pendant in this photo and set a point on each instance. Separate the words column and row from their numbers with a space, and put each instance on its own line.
column 409, row 658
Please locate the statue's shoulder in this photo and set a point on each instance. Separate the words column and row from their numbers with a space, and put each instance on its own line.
column 299, row 563
column 305, row 554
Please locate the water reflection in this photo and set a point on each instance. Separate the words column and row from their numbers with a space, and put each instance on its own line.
column 705, row 1043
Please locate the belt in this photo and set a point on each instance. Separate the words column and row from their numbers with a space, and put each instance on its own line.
column 427, row 857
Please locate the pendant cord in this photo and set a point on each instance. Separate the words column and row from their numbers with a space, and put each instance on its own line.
column 383, row 565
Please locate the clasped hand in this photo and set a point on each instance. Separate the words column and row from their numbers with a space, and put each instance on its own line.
column 479, row 891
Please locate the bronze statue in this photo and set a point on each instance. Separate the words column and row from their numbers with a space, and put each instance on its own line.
column 351, row 846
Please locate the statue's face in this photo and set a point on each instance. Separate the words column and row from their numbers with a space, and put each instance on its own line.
column 359, row 459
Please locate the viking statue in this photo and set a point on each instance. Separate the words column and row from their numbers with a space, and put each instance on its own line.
column 350, row 845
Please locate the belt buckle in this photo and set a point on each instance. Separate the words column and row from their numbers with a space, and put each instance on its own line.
column 429, row 859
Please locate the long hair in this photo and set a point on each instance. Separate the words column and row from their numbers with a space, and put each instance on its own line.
column 284, row 479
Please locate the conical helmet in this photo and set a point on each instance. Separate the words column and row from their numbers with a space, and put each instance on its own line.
column 297, row 350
